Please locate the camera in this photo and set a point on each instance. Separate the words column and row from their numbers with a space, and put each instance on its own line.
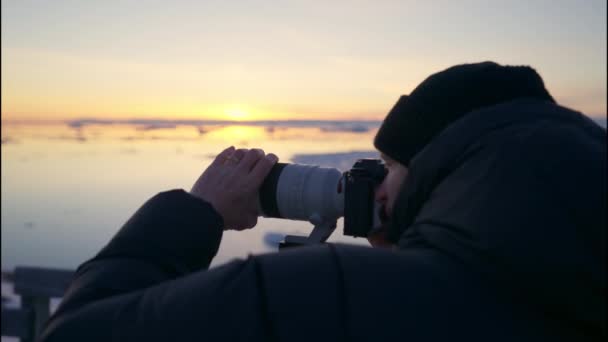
column 321, row 196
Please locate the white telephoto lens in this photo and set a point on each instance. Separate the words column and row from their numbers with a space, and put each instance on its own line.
column 306, row 192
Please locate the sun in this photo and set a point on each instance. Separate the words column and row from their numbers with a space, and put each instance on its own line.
column 237, row 114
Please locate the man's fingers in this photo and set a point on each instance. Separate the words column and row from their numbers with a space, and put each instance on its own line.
column 262, row 169
column 249, row 160
column 236, row 157
column 222, row 156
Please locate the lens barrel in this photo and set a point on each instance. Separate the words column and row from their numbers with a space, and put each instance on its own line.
column 268, row 192
column 302, row 192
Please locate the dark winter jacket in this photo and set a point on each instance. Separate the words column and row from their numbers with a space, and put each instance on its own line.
column 501, row 228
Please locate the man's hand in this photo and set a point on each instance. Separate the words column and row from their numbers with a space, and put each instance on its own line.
column 231, row 184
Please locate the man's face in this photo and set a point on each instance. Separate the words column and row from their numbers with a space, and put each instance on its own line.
column 386, row 193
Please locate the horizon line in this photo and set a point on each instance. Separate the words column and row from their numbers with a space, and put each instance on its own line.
column 150, row 121
column 188, row 122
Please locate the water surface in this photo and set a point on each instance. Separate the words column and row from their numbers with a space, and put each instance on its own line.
column 67, row 188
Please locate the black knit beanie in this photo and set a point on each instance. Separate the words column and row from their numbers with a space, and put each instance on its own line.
column 448, row 95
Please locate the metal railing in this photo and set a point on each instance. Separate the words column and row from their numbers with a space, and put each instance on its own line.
column 36, row 286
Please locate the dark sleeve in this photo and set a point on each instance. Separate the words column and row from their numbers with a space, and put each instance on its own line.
column 150, row 282
column 174, row 230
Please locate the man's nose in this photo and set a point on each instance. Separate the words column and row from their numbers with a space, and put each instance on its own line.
column 381, row 196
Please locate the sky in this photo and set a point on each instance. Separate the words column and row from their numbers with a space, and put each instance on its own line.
column 277, row 60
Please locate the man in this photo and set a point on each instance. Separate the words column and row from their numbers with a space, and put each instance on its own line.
column 496, row 199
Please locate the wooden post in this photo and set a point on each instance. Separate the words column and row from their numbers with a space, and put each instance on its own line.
column 41, row 309
column 36, row 286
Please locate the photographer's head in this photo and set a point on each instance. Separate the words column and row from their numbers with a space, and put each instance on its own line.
column 441, row 99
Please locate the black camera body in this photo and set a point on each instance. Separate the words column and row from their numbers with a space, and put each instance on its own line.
column 359, row 189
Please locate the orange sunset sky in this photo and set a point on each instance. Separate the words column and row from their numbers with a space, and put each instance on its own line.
column 259, row 60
